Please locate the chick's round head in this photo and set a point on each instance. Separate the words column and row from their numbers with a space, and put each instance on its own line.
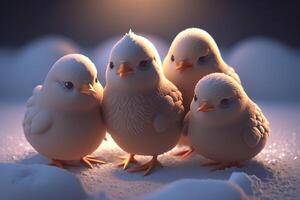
column 72, row 84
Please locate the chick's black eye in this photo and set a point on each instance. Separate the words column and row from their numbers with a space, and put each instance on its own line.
column 172, row 58
column 202, row 58
column 144, row 63
column 96, row 80
column 195, row 98
column 111, row 65
column 69, row 85
column 225, row 102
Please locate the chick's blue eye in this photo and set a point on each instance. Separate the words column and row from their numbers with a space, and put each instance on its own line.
column 69, row 85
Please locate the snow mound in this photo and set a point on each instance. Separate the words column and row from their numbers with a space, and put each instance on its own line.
column 161, row 45
column 29, row 66
column 238, row 187
column 36, row 182
column 98, row 196
column 225, row 53
column 250, row 184
column 6, row 57
column 268, row 69
column 101, row 53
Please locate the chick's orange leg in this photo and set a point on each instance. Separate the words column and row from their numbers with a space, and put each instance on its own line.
column 147, row 167
column 126, row 160
column 183, row 154
column 88, row 160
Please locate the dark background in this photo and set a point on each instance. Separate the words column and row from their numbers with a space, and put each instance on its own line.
column 89, row 22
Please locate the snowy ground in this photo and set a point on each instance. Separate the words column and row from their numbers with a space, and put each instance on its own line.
column 278, row 166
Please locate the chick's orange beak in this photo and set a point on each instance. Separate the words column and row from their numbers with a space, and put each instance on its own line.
column 87, row 89
column 182, row 65
column 205, row 107
column 124, row 69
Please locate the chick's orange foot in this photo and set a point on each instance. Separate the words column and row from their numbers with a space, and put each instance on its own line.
column 184, row 154
column 89, row 160
column 147, row 167
column 126, row 160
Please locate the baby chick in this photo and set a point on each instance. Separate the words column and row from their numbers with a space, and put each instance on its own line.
column 192, row 55
column 143, row 110
column 223, row 124
column 63, row 116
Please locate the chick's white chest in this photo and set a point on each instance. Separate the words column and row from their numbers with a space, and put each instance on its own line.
column 71, row 135
column 130, row 114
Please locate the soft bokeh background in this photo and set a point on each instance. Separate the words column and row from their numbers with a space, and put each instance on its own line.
column 259, row 38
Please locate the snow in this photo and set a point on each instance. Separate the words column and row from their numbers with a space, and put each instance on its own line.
column 27, row 67
column 269, row 71
column 249, row 184
column 37, row 182
column 238, row 187
column 277, row 166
